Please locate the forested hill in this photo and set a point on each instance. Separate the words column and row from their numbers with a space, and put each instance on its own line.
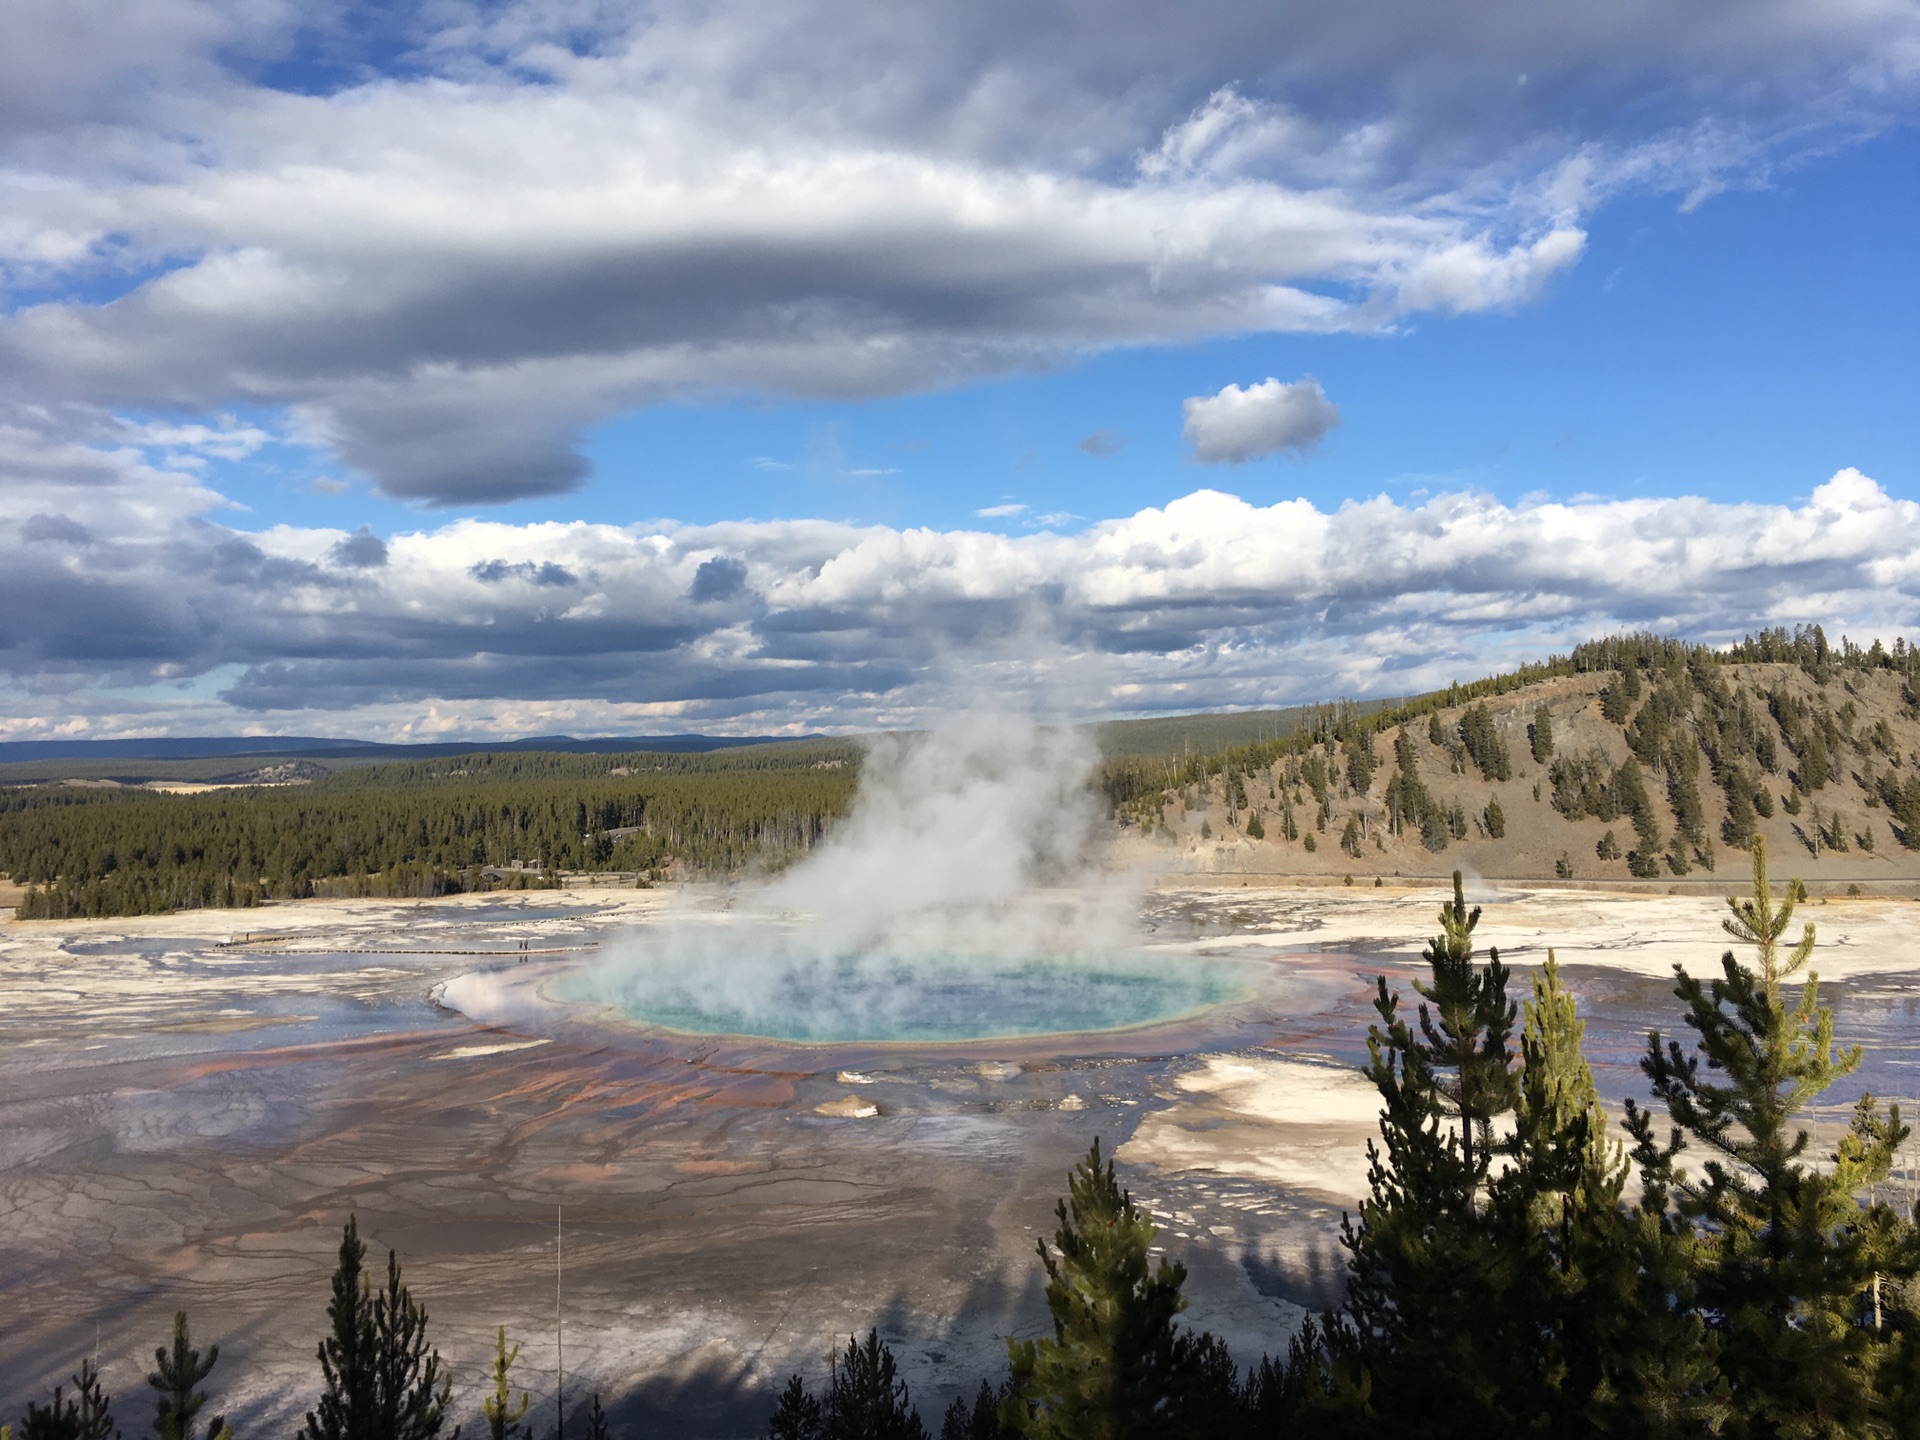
column 426, row 827
column 1633, row 758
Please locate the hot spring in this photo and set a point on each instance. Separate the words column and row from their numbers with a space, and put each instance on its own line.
column 962, row 899
column 927, row 998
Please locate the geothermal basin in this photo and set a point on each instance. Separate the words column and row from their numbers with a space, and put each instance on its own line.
column 193, row 1112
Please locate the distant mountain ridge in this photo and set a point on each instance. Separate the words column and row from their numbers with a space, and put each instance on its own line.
column 199, row 747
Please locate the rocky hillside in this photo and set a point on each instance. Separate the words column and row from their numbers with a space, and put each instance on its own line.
column 1657, row 768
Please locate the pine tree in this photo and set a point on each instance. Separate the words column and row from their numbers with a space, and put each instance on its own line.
column 1465, row 1035
column 1287, row 1397
column 1540, row 734
column 1559, row 1144
column 96, row 1414
column 1361, row 761
column 1116, row 1367
column 1787, row 1257
column 1904, row 802
column 1683, row 791
column 978, row 1421
column 1496, row 819
column 1601, row 1291
column 1815, row 768
column 1214, row 1404
column 177, row 1374
column 1426, row 1335
column 504, row 1418
column 349, row 1356
column 1482, row 741
column 1616, row 700
column 596, row 1420
column 87, row 1416
column 1737, row 828
column 867, row 1399
column 798, row 1415
column 410, row 1387
column 59, row 1420
column 1498, row 1286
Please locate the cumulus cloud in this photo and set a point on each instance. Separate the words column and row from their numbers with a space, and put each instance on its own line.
column 484, row 628
column 1252, row 422
column 472, row 233
column 362, row 550
column 44, row 529
column 721, row 578
column 493, row 572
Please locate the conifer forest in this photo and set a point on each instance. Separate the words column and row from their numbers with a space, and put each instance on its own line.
column 420, row 828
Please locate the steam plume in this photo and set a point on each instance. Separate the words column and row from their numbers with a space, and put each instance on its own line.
column 966, row 872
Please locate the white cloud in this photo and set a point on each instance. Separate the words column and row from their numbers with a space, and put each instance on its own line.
column 227, row 439
column 1250, row 423
column 544, row 215
column 1000, row 512
column 156, row 616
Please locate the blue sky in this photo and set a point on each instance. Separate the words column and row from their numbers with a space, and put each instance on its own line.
column 1747, row 348
column 504, row 367
column 1744, row 348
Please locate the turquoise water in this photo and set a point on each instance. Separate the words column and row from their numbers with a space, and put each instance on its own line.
column 928, row 999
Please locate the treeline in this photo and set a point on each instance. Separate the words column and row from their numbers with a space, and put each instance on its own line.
column 503, row 766
column 1805, row 646
column 419, row 828
column 1501, row 1281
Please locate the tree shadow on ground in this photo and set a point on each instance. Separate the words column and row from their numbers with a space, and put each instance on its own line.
column 706, row 1398
column 1313, row 1277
